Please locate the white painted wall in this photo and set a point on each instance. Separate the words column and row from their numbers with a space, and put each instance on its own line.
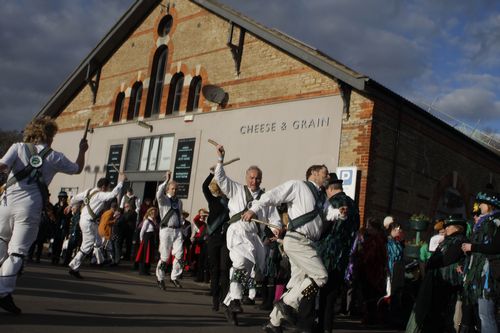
column 283, row 139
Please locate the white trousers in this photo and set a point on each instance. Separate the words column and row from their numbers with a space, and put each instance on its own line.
column 247, row 253
column 170, row 241
column 20, row 214
column 306, row 265
column 90, row 241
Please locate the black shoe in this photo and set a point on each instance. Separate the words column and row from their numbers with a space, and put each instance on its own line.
column 270, row 328
column 265, row 307
column 235, row 306
column 230, row 316
column 215, row 307
column 176, row 283
column 76, row 274
column 161, row 285
column 289, row 313
column 247, row 301
column 7, row 303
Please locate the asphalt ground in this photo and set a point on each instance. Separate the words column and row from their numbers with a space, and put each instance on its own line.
column 117, row 299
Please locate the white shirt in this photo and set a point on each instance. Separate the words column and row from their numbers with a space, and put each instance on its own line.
column 97, row 200
column 16, row 159
column 165, row 204
column 238, row 200
column 137, row 203
column 300, row 201
column 147, row 226
column 434, row 242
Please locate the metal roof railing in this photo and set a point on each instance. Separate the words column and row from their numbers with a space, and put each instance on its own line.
column 489, row 140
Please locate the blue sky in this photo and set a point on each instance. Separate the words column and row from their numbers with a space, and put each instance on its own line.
column 444, row 53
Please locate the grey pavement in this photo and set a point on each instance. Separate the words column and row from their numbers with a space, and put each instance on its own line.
column 117, row 299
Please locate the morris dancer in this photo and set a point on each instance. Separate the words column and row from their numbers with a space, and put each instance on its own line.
column 94, row 200
column 32, row 165
column 170, row 232
column 244, row 242
column 306, row 201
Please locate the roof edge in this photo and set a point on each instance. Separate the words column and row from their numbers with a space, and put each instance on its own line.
column 307, row 54
column 138, row 11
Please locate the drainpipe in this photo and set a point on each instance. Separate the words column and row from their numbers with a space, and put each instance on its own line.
column 394, row 164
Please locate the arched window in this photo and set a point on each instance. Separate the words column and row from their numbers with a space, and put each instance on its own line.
column 135, row 101
column 194, row 94
column 118, row 107
column 175, row 93
column 156, row 82
column 165, row 25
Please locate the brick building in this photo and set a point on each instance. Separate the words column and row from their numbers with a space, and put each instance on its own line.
column 171, row 75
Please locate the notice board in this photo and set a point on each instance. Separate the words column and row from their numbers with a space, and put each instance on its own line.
column 183, row 165
column 114, row 161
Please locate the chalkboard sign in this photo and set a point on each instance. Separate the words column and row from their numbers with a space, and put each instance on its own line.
column 114, row 159
column 183, row 164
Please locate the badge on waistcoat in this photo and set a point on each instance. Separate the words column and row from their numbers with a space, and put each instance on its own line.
column 36, row 161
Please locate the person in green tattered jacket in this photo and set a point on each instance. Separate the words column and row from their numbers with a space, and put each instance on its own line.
column 437, row 296
column 482, row 275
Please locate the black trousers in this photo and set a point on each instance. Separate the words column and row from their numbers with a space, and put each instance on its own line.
column 327, row 298
column 220, row 263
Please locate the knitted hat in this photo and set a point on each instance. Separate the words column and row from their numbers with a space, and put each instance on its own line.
column 489, row 197
column 387, row 221
column 62, row 194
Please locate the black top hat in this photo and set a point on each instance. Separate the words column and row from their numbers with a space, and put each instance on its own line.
column 334, row 179
column 455, row 220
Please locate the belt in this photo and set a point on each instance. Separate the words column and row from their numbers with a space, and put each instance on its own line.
column 172, row 227
column 295, row 232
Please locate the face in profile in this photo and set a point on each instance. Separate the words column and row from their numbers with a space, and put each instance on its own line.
column 321, row 176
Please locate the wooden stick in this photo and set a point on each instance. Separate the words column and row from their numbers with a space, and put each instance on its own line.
column 213, row 142
column 265, row 223
column 86, row 129
column 228, row 162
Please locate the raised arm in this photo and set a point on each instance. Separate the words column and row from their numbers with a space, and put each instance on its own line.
column 80, row 159
column 206, row 189
column 227, row 185
column 273, row 198
column 160, row 193
column 116, row 191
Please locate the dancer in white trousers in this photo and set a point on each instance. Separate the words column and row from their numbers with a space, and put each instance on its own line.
column 244, row 240
column 32, row 165
column 306, row 209
column 94, row 200
column 170, row 232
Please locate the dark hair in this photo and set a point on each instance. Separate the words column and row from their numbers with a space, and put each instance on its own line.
column 102, row 182
column 374, row 223
column 393, row 226
column 315, row 167
column 114, row 205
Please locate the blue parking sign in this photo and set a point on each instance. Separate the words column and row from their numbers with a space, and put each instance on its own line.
column 346, row 176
